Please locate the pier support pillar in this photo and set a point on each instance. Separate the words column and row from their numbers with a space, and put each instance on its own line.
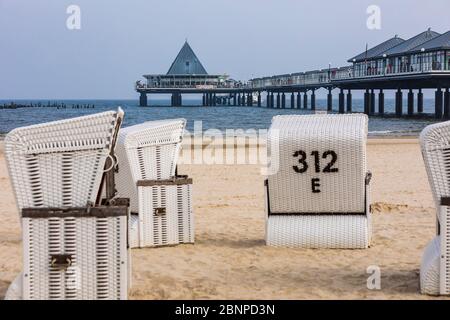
column 305, row 100
column 259, row 98
column 299, row 100
column 203, row 100
column 410, row 102
column 381, row 102
column 313, row 100
column 349, row 101
column 341, row 101
column 447, row 104
column 268, row 99
column 243, row 99
column 372, row 101
column 143, row 100
column 438, row 104
column 238, row 99
column 283, row 100
column 214, row 100
column 420, row 101
column 367, row 102
column 249, row 99
column 292, row 100
column 272, row 100
column 329, row 101
column 278, row 100
column 176, row 99
column 399, row 103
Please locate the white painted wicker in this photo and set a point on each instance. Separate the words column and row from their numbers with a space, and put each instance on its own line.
column 429, row 268
column 147, row 151
column 61, row 164
column 435, row 267
column 98, row 247
column 319, row 196
column 165, row 214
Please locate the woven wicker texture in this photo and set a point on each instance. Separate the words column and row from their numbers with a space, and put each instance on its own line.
column 175, row 226
column 334, row 213
column 14, row 291
column 61, row 164
column 429, row 268
column 332, row 232
column 147, row 151
column 341, row 191
column 99, row 258
column 435, row 145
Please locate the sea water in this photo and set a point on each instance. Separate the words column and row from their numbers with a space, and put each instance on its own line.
column 219, row 117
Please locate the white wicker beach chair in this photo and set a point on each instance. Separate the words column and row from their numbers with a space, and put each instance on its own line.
column 319, row 195
column 161, row 202
column 73, row 248
column 435, row 266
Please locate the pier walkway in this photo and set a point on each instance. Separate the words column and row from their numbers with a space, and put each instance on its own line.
column 421, row 62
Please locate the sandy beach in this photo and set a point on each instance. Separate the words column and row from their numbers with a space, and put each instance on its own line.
column 230, row 261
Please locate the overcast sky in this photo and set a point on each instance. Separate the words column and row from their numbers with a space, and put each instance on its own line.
column 120, row 40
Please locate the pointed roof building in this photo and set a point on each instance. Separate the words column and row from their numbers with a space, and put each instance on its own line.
column 186, row 62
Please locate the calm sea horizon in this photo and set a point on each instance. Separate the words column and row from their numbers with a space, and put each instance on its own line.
column 219, row 117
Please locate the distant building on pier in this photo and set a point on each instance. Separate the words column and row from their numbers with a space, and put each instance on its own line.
column 425, row 52
column 186, row 71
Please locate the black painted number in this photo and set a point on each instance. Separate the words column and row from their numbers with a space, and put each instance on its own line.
column 302, row 157
column 301, row 160
column 329, row 167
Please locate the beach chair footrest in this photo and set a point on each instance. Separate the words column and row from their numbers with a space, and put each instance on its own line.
column 318, row 231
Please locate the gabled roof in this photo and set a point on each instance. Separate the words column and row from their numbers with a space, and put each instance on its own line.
column 412, row 43
column 440, row 42
column 378, row 50
column 186, row 62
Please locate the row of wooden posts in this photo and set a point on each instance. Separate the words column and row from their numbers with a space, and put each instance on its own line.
column 301, row 100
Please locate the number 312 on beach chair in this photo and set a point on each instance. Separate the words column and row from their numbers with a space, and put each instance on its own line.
column 318, row 194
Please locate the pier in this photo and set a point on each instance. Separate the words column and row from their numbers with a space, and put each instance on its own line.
column 404, row 66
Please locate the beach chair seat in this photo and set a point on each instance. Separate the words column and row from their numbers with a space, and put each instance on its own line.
column 318, row 191
column 435, row 266
column 161, row 202
column 73, row 246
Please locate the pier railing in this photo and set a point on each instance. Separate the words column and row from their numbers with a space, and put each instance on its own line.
column 318, row 78
column 328, row 76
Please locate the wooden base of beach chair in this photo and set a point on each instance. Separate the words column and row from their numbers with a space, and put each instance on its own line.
column 165, row 213
column 76, row 253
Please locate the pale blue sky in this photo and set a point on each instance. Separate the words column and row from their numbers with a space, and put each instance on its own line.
column 120, row 40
